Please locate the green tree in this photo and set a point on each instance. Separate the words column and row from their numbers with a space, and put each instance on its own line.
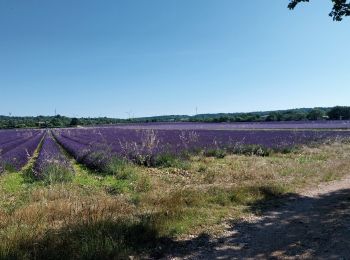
column 274, row 116
column 338, row 113
column 11, row 123
column 340, row 8
column 56, row 121
column 74, row 122
column 315, row 114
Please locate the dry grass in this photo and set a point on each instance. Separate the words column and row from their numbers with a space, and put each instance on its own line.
column 83, row 219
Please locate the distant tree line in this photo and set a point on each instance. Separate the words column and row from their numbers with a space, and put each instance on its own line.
column 301, row 114
column 57, row 121
column 304, row 114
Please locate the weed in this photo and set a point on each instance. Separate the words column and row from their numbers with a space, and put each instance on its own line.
column 55, row 173
column 217, row 153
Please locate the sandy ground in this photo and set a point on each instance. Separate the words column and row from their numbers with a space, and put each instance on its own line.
column 314, row 224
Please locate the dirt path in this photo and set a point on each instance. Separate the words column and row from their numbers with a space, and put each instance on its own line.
column 312, row 225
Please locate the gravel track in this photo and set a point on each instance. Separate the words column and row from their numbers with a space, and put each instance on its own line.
column 314, row 224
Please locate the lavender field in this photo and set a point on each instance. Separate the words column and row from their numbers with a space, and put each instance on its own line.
column 143, row 143
column 323, row 124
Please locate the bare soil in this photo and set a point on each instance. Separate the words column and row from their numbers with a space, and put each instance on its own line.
column 313, row 224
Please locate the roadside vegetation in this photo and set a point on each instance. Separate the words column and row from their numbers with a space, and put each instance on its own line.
column 132, row 210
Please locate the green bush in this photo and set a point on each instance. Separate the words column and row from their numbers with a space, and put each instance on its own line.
column 217, row 153
column 170, row 160
column 166, row 160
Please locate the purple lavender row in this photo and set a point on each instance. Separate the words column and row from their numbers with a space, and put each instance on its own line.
column 133, row 143
column 18, row 157
column 81, row 152
column 75, row 148
column 7, row 136
column 94, row 155
column 12, row 135
column 50, row 154
column 10, row 145
column 177, row 140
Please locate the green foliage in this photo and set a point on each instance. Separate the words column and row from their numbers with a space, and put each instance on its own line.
column 280, row 115
column 315, row 114
column 8, row 167
column 340, row 8
column 53, row 121
column 166, row 160
column 116, row 187
column 55, row 173
column 12, row 182
column 74, row 122
column 121, row 177
column 105, row 239
column 120, row 169
column 274, row 116
column 339, row 113
column 217, row 153
column 56, row 122
column 50, row 174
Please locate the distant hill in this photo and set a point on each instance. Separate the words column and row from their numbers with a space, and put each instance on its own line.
column 282, row 115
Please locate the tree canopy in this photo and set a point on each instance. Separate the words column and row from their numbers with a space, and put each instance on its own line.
column 340, row 8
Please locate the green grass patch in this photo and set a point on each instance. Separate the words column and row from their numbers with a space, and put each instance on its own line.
column 100, row 240
column 168, row 160
column 55, row 173
column 119, row 177
column 12, row 182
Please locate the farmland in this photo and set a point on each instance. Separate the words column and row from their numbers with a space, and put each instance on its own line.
column 125, row 189
column 144, row 143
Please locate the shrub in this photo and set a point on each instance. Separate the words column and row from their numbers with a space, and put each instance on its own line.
column 217, row 153
column 339, row 112
column 166, row 160
column 170, row 160
column 119, row 168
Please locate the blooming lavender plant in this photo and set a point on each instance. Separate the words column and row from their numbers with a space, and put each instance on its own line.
column 142, row 151
column 50, row 155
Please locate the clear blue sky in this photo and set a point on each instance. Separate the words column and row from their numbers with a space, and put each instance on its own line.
column 156, row 57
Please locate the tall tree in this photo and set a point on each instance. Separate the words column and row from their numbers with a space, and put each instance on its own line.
column 340, row 8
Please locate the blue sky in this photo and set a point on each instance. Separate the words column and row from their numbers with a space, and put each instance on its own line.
column 155, row 57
